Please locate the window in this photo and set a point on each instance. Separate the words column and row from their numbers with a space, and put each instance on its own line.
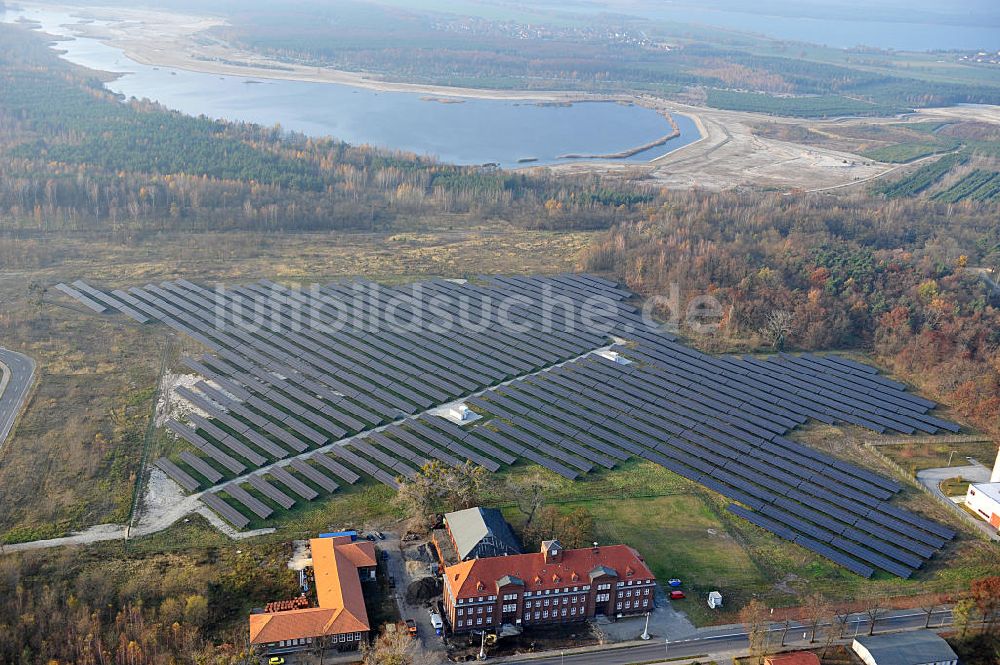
column 510, row 608
column 510, row 596
column 527, row 604
column 603, row 597
column 545, row 614
column 620, row 584
column 537, row 615
column 646, row 592
column 603, row 587
column 489, row 609
column 564, row 611
column 573, row 611
column 479, row 610
column 492, row 598
column 479, row 621
column 628, row 604
column 546, row 602
column 619, row 605
column 460, row 611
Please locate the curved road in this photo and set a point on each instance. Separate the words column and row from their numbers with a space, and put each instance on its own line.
column 18, row 375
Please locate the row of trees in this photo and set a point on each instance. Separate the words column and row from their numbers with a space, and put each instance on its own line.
column 827, row 622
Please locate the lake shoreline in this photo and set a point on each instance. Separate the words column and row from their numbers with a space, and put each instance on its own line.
column 176, row 42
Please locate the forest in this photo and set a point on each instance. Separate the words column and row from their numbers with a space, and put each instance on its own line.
column 76, row 158
column 892, row 278
column 894, row 275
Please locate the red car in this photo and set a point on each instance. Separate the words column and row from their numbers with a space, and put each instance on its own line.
column 677, row 595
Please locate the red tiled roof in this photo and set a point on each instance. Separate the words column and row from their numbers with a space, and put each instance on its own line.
column 338, row 588
column 793, row 658
column 478, row 576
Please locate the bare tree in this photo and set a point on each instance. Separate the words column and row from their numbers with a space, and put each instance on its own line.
column 928, row 606
column 785, row 625
column 777, row 328
column 872, row 601
column 754, row 617
column 833, row 624
column 817, row 609
column 529, row 496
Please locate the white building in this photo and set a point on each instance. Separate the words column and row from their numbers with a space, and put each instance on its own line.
column 984, row 500
column 920, row 647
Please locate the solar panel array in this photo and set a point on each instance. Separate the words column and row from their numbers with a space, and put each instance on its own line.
column 287, row 410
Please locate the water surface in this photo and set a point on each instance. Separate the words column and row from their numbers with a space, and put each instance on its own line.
column 474, row 131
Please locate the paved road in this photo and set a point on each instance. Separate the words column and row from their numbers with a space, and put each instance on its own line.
column 18, row 375
column 729, row 640
column 975, row 473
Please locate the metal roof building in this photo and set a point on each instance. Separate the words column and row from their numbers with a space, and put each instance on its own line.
column 921, row 647
column 481, row 532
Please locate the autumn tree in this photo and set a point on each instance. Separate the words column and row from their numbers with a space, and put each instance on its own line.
column 985, row 593
column 441, row 488
column 962, row 615
column 754, row 617
column 574, row 529
column 393, row 646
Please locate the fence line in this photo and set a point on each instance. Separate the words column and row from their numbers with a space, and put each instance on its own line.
column 947, row 438
column 951, row 506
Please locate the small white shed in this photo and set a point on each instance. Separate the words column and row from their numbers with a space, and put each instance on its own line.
column 714, row 599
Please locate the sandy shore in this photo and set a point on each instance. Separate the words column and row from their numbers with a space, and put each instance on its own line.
column 728, row 154
column 182, row 41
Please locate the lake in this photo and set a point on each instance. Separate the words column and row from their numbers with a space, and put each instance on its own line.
column 473, row 131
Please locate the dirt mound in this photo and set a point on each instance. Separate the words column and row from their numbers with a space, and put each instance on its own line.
column 422, row 590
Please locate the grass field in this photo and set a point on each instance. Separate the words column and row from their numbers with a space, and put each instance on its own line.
column 678, row 536
column 929, row 455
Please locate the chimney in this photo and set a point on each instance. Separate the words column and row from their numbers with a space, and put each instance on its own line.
column 995, row 477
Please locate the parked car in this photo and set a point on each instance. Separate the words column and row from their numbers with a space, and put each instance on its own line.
column 677, row 595
column 380, row 535
column 275, row 660
column 674, row 582
column 437, row 623
column 411, row 627
column 370, row 537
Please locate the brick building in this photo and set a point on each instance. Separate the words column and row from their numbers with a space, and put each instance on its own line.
column 552, row 585
column 341, row 619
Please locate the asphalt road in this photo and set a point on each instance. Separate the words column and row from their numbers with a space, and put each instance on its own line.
column 22, row 374
column 729, row 639
column 976, row 473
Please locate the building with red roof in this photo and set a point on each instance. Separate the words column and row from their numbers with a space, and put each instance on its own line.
column 552, row 585
column 341, row 618
column 792, row 658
